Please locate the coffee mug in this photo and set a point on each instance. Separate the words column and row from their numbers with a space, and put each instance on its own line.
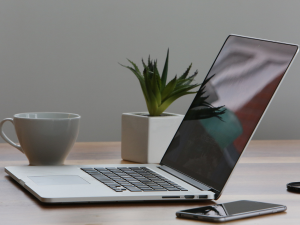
column 45, row 138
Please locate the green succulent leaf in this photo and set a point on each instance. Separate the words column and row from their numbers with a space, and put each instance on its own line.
column 155, row 89
column 165, row 72
column 150, row 64
column 141, row 80
column 184, row 75
column 180, row 83
column 169, row 88
column 135, row 67
column 190, row 79
column 144, row 64
column 156, row 73
column 136, row 73
column 184, row 88
column 151, row 96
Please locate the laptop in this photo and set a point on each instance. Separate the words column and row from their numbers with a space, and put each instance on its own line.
column 203, row 152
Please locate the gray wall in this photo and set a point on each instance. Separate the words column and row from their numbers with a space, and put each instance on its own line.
column 62, row 55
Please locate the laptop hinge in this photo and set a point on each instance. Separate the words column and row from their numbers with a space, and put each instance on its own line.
column 187, row 179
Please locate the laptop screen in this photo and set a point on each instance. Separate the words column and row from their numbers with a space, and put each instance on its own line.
column 227, row 109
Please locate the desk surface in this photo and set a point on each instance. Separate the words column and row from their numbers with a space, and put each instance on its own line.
column 261, row 175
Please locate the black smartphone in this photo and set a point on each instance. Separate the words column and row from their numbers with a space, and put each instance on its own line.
column 231, row 211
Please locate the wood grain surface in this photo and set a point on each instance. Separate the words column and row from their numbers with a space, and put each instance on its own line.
column 261, row 175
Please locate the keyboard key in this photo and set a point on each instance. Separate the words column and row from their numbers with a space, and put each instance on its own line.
column 150, row 190
column 129, row 186
column 105, row 180
column 135, row 190
column 167, row 187
column 119, row 180
column 146, row 189
column 121, row 174
column 152, row 186
column 143, row 187
column 126, row 170
column 93, row 172
column 143, row 179
column 135, row 175
column 106, row 172
column 87, row 168
column 140, row 184
column 135, row 182
column 109, row 173
column 100, row 168
column 98, row 176
column 183, row 189
column 160, row 189
column 116, row 170
column 173, row 189
column 132, row 188
column 160, row 182
column 113, row 186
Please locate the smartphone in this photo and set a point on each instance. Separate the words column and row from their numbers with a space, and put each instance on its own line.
column 231, row 211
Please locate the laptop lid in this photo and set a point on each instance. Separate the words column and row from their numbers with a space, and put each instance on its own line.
column 227, row 109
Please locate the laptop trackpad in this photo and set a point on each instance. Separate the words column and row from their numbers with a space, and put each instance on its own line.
column 58, row 180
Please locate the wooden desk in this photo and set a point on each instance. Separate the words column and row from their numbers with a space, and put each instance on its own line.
column 261, row 175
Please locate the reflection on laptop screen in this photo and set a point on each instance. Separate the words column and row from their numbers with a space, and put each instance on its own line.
column 227, row 109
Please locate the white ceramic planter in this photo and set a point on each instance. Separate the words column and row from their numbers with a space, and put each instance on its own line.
column 145, row 139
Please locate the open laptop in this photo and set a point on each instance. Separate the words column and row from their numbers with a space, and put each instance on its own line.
column 206, row 147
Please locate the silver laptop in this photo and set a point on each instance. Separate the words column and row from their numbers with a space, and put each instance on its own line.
column 206, row 147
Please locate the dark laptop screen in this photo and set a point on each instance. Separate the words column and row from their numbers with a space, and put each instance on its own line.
column 227, row 109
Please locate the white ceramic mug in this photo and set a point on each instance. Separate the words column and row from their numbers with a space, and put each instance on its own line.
column 45, row 138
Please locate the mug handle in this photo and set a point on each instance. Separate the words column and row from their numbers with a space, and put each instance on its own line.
column 3, row 135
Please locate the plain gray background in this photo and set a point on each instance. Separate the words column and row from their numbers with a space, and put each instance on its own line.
column 62, row 55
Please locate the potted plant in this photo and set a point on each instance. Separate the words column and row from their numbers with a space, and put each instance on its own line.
column 146, row 136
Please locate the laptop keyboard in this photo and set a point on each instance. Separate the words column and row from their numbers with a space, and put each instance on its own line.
column 134, row 179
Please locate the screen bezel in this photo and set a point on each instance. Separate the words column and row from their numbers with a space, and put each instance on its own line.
column 218, row 192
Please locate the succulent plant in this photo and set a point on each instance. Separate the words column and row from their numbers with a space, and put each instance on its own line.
column 159, row 94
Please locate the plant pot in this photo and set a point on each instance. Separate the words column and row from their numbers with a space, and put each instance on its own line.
column 145, row 139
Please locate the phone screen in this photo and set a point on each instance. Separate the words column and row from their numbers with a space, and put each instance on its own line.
column 231, row 208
